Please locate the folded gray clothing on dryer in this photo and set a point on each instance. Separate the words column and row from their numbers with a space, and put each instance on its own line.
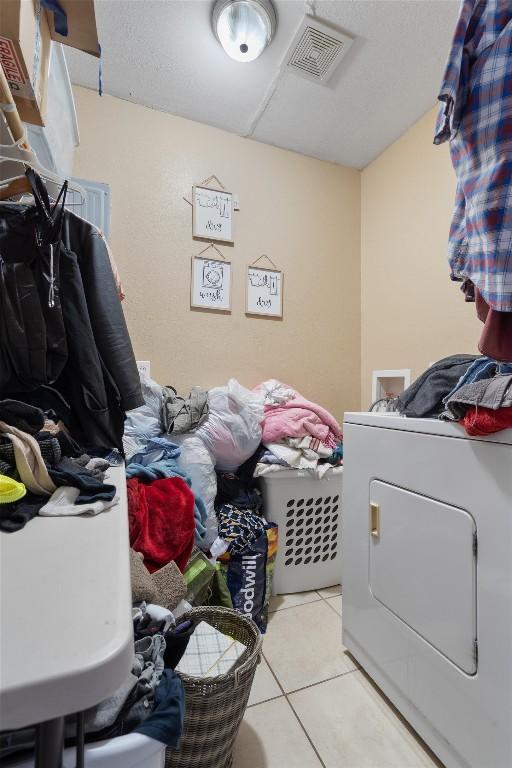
column 487, row 393
column 424, row 397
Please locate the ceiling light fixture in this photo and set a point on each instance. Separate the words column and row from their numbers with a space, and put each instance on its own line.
column 244, row 28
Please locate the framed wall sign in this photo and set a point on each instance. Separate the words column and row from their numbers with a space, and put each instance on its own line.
column 210, row 284
column 212, row 214
column 264, row 292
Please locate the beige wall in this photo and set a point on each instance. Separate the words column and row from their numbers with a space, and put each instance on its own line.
column 305, row 214
column 364, row 255
column 412, row 314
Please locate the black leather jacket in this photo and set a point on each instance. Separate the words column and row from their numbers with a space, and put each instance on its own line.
column 82, row 348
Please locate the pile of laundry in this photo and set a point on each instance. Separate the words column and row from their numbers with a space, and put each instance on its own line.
column 296, row 433
column 165, row 516
column 474, row 391
column 482, row 399
column 151, row 699
column 182, row 459
column 193, row 464
column 173, row 447
column 424, row 398
column 43, row 470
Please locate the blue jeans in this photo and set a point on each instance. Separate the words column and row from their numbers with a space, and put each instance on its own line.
column 483, row 368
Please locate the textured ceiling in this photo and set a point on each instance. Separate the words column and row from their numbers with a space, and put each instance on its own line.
column 162, row 53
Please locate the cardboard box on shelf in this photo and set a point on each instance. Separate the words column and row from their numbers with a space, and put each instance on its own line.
column 25, row 56
column 82, row 33
column 26, row 32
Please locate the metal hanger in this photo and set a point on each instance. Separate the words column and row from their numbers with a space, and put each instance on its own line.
column 20, row 152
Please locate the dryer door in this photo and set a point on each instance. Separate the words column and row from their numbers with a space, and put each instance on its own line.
column 423, row 568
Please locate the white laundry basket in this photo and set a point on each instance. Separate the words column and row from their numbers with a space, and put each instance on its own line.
column 135, row 750
column 308, row 513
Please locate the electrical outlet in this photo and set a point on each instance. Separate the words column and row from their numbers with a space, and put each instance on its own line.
column 144, row 367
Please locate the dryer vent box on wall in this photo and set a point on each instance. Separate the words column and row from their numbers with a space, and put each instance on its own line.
column 389, row 384
column 317, row 50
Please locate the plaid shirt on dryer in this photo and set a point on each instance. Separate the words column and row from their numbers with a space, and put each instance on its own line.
column 476, row 118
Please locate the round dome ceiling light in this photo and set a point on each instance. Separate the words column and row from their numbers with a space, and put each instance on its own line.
column 244, row 28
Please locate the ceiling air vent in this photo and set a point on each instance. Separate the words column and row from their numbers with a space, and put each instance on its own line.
column 317, row 49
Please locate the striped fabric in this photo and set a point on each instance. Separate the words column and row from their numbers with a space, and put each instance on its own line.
column 476, row 118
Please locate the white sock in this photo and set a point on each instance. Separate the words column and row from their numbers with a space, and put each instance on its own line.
column 62, row 504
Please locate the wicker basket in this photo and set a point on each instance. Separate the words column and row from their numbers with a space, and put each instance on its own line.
column 215, row 706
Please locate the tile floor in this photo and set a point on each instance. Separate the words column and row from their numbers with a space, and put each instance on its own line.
column 311, row 706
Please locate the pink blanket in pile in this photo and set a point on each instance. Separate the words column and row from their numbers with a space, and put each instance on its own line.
column 299, row 417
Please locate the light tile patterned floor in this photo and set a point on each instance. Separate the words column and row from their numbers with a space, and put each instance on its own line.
column 311, row 706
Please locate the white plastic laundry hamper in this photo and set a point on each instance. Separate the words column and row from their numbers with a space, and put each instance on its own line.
column 135, row 750
column 308, row 513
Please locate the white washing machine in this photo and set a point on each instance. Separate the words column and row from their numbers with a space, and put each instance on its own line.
column 427, row 578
